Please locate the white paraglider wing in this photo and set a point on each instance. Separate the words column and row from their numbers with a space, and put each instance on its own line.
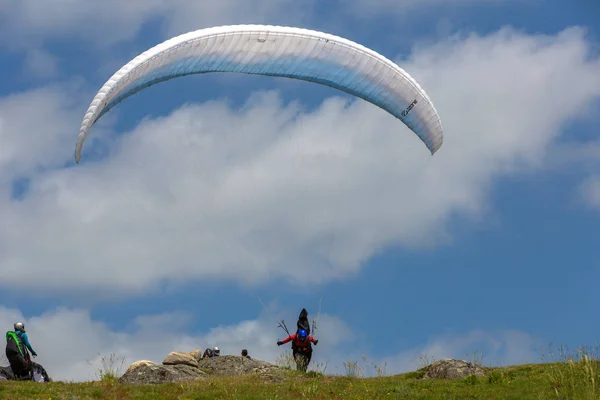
column 276, row 51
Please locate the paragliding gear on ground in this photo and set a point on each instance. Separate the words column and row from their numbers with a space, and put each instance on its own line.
column 38, row 374
column 18, row 356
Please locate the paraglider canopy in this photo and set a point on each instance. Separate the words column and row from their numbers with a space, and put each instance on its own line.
column 289, row 52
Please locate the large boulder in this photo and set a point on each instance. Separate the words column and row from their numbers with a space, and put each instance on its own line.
column 452, row 369
column 179, row 366
column 147, row 372
column 138, row 364
column 197, row 354
column 179, row 358
column 229, row 365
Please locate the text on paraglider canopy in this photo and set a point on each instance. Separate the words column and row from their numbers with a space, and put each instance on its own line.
column 410, row 107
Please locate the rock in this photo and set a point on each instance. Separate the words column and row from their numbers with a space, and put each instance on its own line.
column 138, row 364
column 179, row 358
column 6, row 373
column 197, row 354
column 147, row 372
column 38, row 373
column 229, row 365
column 452, row 369
column 178, row 366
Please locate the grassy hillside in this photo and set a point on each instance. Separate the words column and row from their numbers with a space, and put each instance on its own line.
column 566, row 380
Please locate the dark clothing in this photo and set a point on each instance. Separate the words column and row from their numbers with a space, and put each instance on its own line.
column 20, row 367
column 38, row 374
column 302, row 359
column 210, row 353
column 18, row 356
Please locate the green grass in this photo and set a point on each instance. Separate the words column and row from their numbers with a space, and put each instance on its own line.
column 112, row 368
column 520, row 382
column 568, row 376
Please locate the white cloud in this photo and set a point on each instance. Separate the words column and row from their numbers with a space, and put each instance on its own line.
column 33, row 126
column 190, row 15
column 71, row 345
column 257, row 193
column 111, row 21
column 107, row 22
column 37, row 128
column 254, row 194
column 96, row 27
column 371, row 8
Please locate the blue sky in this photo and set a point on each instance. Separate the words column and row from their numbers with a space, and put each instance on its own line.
column 490, row 245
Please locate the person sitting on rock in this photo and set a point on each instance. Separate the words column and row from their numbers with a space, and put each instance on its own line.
column 210, row 353
column 245, row 354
